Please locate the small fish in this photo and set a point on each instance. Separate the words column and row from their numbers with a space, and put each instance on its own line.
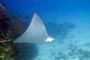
column 61, row 22
column 61, row 15
column 66, row 17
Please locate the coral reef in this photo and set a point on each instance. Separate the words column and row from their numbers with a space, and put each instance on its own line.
column 5, row 23
column 10, row 24
column 24, row 19
column 6, row 53
column 5, row 32
column 11, row 27
column 25, row 51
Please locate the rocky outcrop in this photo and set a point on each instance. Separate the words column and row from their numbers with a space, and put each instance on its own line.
column 5, row 23
column 12, row 27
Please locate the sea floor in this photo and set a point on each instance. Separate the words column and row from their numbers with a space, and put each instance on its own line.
column 75, row 46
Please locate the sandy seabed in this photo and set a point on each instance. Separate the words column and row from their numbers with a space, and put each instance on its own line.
column 74, row 47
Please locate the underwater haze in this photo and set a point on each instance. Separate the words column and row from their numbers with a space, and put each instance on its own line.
column 67, row 21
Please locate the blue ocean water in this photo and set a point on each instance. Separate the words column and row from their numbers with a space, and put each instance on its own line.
column 68, row 21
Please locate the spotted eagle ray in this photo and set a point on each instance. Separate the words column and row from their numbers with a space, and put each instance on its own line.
column 35, row 33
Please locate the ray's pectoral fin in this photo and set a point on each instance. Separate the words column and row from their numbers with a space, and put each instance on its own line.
column 36, row 32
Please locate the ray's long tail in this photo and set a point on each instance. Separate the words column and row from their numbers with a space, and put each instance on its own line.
column 5, row 41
